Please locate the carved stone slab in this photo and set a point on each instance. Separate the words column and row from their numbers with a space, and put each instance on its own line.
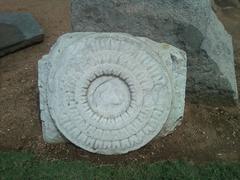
column 110, row 93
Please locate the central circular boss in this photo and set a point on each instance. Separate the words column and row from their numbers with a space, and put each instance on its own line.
column 109, row 96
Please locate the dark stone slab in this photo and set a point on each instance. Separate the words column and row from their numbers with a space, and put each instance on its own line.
column 18, row 30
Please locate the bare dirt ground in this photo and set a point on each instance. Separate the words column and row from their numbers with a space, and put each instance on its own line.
column 208, row 133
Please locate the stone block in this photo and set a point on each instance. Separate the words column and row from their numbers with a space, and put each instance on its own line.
column 18, row 30
column 110, row 93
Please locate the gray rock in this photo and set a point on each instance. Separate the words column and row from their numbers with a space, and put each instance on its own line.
column 18, row 30
column 187, row 24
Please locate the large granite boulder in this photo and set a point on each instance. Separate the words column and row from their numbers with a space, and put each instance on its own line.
column 187, row 24
column 110, row 93
column 18, row 30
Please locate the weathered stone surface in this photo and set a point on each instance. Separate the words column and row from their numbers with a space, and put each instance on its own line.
column 214, row 6
column 187, row 24
column 110, row 93
column 18, row 30
column 228, row 3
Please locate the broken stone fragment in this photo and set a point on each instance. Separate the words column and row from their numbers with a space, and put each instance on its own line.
column 18, row 30
column 110, row 93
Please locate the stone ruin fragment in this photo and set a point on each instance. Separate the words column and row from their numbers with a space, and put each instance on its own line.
column 110, row 93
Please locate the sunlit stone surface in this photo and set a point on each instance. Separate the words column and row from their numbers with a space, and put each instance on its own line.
column 110, row 93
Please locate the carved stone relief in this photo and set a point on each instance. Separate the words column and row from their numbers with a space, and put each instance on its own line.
column 110, row 93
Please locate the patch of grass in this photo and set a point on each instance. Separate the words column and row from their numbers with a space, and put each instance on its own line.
column 16, row 165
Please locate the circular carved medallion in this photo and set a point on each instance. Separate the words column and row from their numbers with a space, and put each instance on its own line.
column 109, row 94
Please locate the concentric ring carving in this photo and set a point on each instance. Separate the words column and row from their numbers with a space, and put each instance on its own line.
column 112, row 96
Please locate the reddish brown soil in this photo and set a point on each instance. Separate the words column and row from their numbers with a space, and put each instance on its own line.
column 208, row 133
